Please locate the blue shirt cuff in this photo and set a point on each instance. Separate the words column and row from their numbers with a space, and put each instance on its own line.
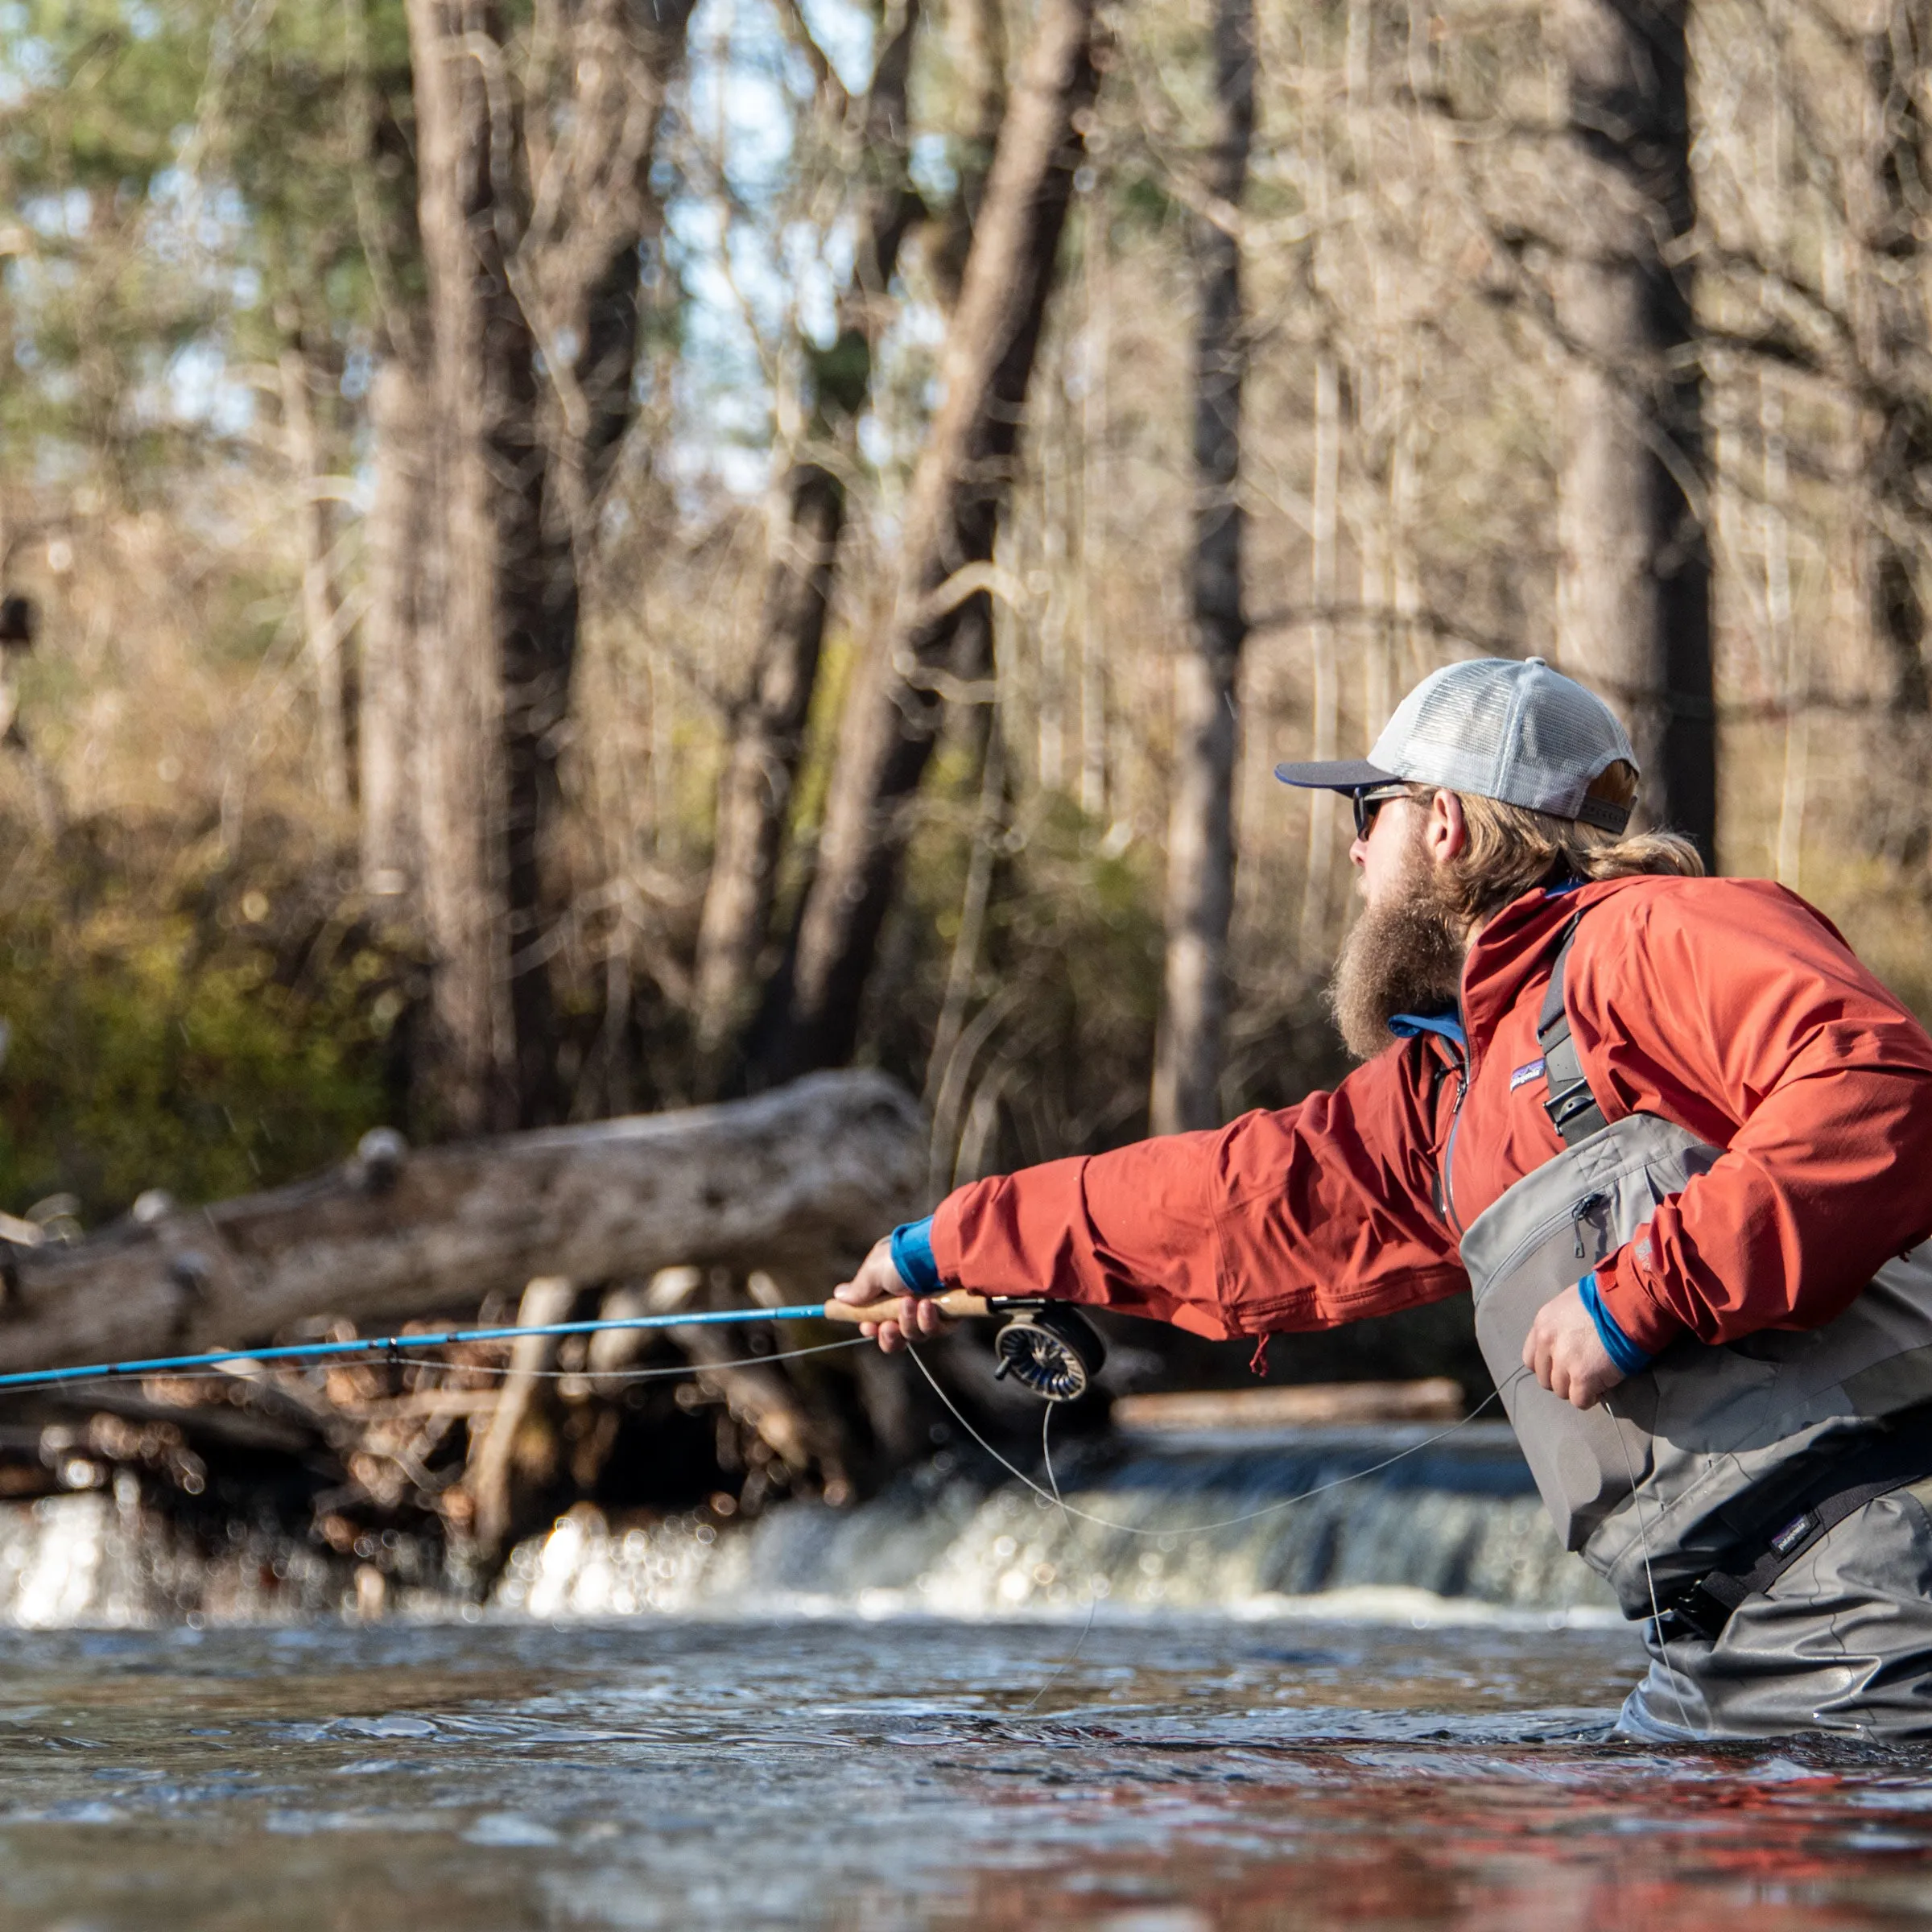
column 912, row 1256
column 1630, row 1359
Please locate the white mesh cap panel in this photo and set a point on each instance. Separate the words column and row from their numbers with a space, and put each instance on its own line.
column 1565, row 736
column 1517, row 731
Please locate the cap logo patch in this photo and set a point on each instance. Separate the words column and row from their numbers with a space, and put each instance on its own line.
column 1524, row 1073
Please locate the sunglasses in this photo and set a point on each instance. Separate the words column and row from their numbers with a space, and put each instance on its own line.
column 1369, row 801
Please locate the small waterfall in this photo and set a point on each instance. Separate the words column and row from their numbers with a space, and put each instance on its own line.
column 1454, row 1529
column 101, row 1559
column 62, row 1562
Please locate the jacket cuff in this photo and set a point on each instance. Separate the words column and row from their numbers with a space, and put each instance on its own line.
column 1630, row 1359
column 943, row 1239
column 1623, row 1296
column 912, row 1256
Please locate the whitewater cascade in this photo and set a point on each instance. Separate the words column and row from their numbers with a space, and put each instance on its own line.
column 1452, row 1530
column 1455, row 1528
column 99, row 1558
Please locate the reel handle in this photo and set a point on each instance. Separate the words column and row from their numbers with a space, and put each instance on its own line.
column 954, row 1302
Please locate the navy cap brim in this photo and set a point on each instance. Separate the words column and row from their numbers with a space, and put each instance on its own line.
column 1336, row 774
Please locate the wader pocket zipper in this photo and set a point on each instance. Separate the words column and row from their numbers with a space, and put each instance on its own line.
column 1580, row 1213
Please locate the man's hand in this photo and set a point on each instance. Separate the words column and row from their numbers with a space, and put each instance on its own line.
column 878, row 1281
column 1564, row 1353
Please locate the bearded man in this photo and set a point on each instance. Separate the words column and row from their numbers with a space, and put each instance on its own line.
column 1674, row 1137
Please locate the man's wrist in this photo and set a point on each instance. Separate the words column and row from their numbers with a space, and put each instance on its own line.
column 912, row 1256
column 1630, row 1359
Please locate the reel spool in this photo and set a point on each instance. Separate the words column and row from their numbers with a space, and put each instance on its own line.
column 1051, row 1350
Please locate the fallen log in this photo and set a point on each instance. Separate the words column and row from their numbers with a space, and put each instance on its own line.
column 1309, row 1405
column 801, row 1179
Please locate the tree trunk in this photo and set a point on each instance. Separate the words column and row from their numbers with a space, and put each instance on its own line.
column 800, row 1181
column 941, row 619
column 1200, row 826
column 977, row 31
column 530, row 229
column 1891, row 323
column 761, row 764
column 488, row 469
column 768, row 730
column 321, row 617
column 1783, row 635
column 1634, row 596
column 592, row 208
column 576, row 272
column 1096, row 504
column 1325, row 697
column 402, row 574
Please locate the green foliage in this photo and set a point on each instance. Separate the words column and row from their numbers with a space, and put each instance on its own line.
column 1071, row 949
column 106, row 86
column 198, row 1046
column 193, row 186
column 842, row 375
column 1142, row 202
column 316, row 130
column 95, row 96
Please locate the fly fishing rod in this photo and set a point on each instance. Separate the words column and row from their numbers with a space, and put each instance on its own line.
column 1046, row 1347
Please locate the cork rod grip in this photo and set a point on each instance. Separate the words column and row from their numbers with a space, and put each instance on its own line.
column 955, row 1302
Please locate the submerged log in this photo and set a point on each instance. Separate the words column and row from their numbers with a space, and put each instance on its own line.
column 494, row 1451
column 1309, row 1405
column 802, row 1179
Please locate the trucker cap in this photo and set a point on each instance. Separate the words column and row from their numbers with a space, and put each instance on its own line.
column 1497, row 727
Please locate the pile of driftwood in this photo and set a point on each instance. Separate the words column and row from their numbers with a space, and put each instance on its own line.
column 767, row 1201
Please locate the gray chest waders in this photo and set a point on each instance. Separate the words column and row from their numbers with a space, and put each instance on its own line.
column 1743, row 1455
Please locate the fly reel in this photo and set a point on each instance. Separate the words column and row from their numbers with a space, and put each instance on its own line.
column 1049, row 1349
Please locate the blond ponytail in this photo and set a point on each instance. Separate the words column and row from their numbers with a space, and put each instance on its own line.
column 1513, row 850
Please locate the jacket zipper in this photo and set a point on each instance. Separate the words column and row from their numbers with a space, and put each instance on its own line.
column 1456, row 1121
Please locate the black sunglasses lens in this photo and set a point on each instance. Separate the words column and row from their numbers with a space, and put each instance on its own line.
column 1367, row 804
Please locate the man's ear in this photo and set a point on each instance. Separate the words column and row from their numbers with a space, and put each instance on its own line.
column 1445, row 831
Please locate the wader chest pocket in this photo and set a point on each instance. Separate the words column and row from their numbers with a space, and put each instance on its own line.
column 1706, row 1432
column 1536, row 1243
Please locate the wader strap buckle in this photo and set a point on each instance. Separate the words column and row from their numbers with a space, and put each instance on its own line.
column 1706, row 1607
column 1702, row 1610
column 1571, row 1105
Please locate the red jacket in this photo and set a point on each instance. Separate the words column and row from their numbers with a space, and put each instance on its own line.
column 1727, row 1005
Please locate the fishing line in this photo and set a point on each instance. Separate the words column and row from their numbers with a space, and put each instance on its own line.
column 244, row 1368
column 1093, row 1594
column 653, row 1375
column 1643, row 1538
column 1225, row 1522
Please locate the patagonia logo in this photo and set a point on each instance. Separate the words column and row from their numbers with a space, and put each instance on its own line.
column 1789, row 1538
column 1524, row 1073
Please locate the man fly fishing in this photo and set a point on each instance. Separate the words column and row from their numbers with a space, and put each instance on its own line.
column 1672, row 1136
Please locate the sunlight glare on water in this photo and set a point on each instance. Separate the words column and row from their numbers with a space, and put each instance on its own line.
column 1181, row 1774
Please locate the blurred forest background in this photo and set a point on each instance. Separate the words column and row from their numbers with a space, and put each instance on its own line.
column 564, row 557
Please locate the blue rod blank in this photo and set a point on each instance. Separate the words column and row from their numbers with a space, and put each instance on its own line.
column 394, row 1344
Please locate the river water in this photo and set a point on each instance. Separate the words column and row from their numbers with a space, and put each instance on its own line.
column 1388, row 1707
column 1181, row 1774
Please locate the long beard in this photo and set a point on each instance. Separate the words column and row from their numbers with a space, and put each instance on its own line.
column 1406, row 957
